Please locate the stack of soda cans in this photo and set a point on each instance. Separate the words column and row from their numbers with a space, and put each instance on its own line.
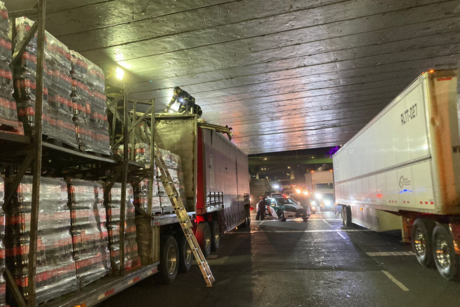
column 55, row 271
column 57, row 104
column 113, row 206
column 89, row 103
column 7, row 103
column 88, row 245
column 2, row 246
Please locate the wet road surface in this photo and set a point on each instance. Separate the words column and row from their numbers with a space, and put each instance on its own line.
column 295, row 263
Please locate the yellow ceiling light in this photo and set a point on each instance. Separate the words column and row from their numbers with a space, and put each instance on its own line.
column 120, row 73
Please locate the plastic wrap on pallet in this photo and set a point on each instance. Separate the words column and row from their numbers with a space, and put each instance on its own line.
column 142, row 154
column 89, row 102
column 8, row 109
column 113, row 206
column 141, row 199
column 101, row 220
column 174, row 164
column 55, row 271
column 91, row 137
column 87, row 72
column 120, row 150
column 57, row 101
column 88, row 243
column 166, row 155
column 2, row 246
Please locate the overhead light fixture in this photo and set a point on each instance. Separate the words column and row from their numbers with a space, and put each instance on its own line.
column 120, row 73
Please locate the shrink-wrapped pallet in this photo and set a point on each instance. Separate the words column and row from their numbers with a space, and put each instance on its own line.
column 57, row 102
column 113, row 207
column 89, row 100
column 90, row 247
column 55, row 271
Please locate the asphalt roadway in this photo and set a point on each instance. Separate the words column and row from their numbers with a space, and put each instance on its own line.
column 295, row 263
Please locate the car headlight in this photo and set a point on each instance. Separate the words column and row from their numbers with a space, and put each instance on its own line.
column 318, row 196
column 313, row 203
column 305, row 193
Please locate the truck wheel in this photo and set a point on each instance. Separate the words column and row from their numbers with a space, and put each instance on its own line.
column 281, row 216
column 169, row 256
column 215, row 235
column 346, row 216
column 422, row 232
column 203, row 236
column 185, row 253
column 447, row 261
column 305, row 219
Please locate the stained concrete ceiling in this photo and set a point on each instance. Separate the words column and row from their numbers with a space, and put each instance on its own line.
column 285, row 74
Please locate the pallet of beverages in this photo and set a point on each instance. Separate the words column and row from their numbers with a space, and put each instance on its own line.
column 78, row 236
column 55, row 270
column 74, row 101
column 89, row 237
column 57, row 103
column 160, row 201
column 8, row 112
column 113, row 206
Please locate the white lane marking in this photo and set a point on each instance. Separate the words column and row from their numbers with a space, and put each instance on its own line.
column 385, row 254
column 338, row 232
column 397, row 282
column 297, row 231
column 327, row 223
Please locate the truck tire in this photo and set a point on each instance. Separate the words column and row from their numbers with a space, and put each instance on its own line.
column 169, row 258
column 422, row 232
column 185, row 253
column 215, row 235
column 281, row 216
column 447, row 261
column 346, row 216
column 203, row 236
column 247, row 217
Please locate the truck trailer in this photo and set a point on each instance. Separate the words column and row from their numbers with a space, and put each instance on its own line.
column 402, row 171
column 321, row 185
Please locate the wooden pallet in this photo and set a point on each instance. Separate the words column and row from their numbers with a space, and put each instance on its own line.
column 94, row 153
column 59, row 143
column 13, row 127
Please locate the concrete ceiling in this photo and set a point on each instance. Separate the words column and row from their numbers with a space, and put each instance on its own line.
column 285, row 74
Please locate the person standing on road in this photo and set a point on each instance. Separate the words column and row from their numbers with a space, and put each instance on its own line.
column 261, row 208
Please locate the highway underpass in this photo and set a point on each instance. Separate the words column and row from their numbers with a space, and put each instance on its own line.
column 318, row 263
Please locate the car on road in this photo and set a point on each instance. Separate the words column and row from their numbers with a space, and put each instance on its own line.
column 305, row 200
column 286, row 208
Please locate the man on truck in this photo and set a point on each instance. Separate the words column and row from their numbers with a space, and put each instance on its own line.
column 186, row 101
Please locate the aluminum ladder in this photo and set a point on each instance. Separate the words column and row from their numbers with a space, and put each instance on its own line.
column 182, row 216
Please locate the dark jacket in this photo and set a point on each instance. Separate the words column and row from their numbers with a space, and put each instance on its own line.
column 184, row 98
column 262, row 205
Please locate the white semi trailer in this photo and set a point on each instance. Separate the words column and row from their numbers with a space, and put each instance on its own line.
column 402, row 170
